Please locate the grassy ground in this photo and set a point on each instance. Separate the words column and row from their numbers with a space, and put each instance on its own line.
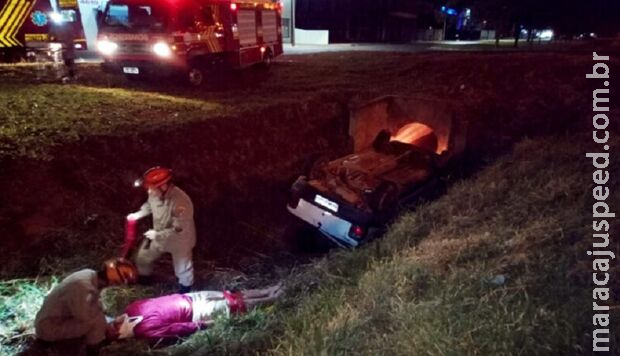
column 38, row 116
column 19, row 301
column 236, row 142
column 496, row 266
column 432, row 286
column 35, row 118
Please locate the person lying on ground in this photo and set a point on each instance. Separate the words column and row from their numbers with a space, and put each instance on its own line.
column 73, row 309
column 179, row 315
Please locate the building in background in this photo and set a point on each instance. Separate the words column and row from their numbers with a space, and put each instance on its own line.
column 287, row 21
column 361, row 20
column 294, row 34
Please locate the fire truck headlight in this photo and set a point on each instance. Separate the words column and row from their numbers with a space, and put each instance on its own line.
column 55, row 46
column 162, row 49
column 106, row 47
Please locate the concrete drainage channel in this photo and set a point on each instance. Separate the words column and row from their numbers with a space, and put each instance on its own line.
column 238, row 171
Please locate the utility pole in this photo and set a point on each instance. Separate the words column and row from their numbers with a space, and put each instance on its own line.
column 445, row 25
column 293, row 23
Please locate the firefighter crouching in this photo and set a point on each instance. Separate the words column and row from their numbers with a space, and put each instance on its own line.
column 73, row 310
column 173, row 227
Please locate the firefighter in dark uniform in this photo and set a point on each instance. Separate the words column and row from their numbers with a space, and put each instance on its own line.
column 64, row 34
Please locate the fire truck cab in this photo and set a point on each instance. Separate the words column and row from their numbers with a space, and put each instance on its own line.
column 39, row 29
column 189, row 37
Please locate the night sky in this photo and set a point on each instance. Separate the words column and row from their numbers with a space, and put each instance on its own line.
column 386, row 20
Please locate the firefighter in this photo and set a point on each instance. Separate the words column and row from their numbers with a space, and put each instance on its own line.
column 64, row 33
column 73, row 310
column 179, row 315
column 173, row 227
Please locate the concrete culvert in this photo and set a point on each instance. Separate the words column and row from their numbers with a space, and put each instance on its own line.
column 409, row 120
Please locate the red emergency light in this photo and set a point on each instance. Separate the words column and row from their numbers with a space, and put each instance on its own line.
column 233, row 6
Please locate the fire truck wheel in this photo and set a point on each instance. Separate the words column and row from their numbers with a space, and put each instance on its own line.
column 267, row 59
column 195, row 76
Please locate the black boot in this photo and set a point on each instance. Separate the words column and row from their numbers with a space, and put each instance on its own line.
column 93, row 350
column 145, row 280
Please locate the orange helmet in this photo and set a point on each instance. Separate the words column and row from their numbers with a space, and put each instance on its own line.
column 120, row 271
column 154, row 177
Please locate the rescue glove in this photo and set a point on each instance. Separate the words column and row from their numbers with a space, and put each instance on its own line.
column 137, row 215
column 150, row 234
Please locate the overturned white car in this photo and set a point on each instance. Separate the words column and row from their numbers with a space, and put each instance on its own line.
column 401, row 146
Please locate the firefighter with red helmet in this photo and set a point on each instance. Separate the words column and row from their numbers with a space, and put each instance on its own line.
column 73, row 308
column 173, row 227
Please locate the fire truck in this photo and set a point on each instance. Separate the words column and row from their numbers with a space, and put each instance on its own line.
column 27, row 27
column 192, row 38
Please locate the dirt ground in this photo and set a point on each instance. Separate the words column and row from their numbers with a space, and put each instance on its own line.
column 67, row 209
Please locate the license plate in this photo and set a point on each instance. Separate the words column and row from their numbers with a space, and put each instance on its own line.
column 326, row 203
column 131, row 70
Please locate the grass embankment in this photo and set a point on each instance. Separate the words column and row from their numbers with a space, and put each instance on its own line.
column 495, row 266
column 242, row 139
column 434, row 284
column 36, row 117
column 423, row 287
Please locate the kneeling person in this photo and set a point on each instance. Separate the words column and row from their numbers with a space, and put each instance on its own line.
column 73, row 310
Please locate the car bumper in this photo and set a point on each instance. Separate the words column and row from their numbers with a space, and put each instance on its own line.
column 330, row 225
column 144, row 68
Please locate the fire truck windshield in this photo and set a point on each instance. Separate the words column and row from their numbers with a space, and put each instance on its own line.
column 142, row 15
column 68, row 15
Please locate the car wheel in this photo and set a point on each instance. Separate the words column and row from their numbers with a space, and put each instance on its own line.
column 384, row 197
column 195, row 76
